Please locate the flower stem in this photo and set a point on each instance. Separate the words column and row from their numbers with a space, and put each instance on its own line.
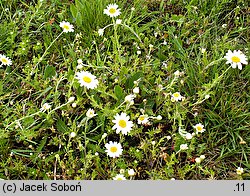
column 16, row 121
column 212, row 63
column 45, row 52
column 85, row 147
column 117, row 42
column 217, row 80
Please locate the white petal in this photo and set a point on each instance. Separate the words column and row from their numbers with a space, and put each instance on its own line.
column 244, row 61
column 118, row 131
column 234, row 65
column 240, row 66
column 114, row 127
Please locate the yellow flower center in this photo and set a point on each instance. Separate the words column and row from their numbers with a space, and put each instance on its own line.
column 66, row 27
column 113, row 149
column 235, row 59
column 119, row 179
column 141, row 118
column 86, row 79
column 176, row 95
column 122, row 123
column 199, row 128
column 112, row 10
column 4, row 60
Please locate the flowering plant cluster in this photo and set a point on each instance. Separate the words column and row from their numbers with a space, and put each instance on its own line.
column 130, row 105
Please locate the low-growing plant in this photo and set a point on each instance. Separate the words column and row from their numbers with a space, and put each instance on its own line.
column 112, row 90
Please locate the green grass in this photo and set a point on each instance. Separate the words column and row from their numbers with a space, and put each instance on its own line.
column 37, row 145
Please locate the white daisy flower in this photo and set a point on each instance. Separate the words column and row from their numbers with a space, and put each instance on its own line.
column 203, row 50
column 188, row 136
column 224, row 26
column 79, row 66
column 79, row 61
column 177, row 73
column 198, row 160
column 90, row 113
column 199, row 128
column 176, row 97
column 122, row 123
column 87, row 79
column 119, row 177
column 143, row 119
column 100, row 32
column 118, row 21
column 130, row 99
column 136, row 90
column 112, row 10
column 235, row 58
column 5, row 60
column 104, row 135
column 45, row 107
column 71, row 99
column 207, row 96
column 66, row 26
column 131, row 172
column 202, row 157
column 183, row 147
column 239, row 170
column 159, row 117
column 122, row 171
column 113, row 149
column 72, row 134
